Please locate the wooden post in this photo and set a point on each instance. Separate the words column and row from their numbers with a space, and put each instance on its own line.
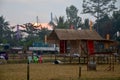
column 55, row 57
column 113, row 60
column 84, row 59
column 87, row 61
column 79, row 59
column 79, row 72
column 28, row 73
column 64, row 59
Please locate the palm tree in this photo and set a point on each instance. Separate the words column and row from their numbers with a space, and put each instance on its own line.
column 4, row 30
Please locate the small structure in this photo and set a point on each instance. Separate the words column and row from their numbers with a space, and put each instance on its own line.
column 16, row 52
column 76, row 40
column 84, row 43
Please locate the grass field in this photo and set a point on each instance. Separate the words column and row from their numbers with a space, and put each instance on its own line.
column 50, row 71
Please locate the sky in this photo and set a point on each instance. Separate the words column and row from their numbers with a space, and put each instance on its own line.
column 24, row 11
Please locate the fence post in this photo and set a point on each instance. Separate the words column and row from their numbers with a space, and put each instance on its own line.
column 79, row 72
column 28, row 73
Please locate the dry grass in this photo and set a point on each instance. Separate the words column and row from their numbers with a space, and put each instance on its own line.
column 49, row 71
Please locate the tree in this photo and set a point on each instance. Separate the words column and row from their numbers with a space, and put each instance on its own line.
column 116, row 21
column 24, row 35
column 106, row 26
column 72, row 16
column 31, row 31
column 61, row 24
column 98, row 8
column 42, row 33
column 109, row 25
column 17, row 35
column 86, row 24
column 5, row 33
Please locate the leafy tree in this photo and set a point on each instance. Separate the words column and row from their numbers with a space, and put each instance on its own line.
column 5, row 33
column 61, row 24
column 98, row 8
column 42, row 33
column 106, row 26
column 109, row 25
column 72, row 16
column 86, row 24
column 16, row 35
column 24, row 36
column 31, row 31
column 116, row 21
column 34, row 34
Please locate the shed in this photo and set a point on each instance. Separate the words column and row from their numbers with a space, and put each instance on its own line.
column 76, row 41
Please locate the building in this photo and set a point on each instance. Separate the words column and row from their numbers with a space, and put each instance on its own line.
column 82, row 42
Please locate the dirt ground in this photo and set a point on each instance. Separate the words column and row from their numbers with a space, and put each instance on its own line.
column 50, row 71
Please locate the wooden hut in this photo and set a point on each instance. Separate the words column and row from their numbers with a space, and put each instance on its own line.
column 83, row 42
column 77, row 41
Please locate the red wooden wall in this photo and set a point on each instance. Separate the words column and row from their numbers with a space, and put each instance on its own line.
column 90, row 45
column 63, row 46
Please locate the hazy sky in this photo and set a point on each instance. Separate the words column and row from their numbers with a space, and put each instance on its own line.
column 24, row 11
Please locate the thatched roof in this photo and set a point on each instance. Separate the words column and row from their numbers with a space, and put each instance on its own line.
column 71, row 34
